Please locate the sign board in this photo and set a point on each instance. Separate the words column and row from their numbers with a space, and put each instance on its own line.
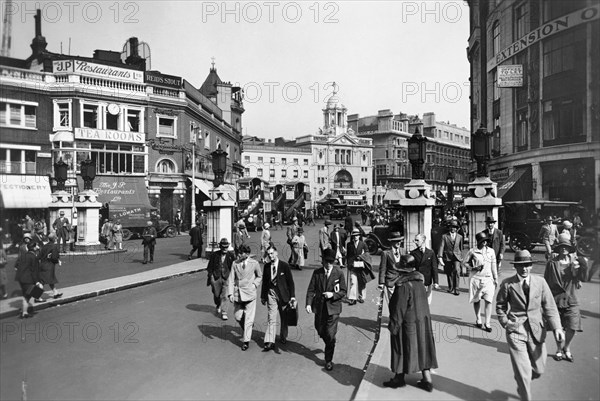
column 96, row 70
column 289, row 195
column 156, row 78
column 244, row 194
column 267, row 206
column 109, row 135
column 510, row 76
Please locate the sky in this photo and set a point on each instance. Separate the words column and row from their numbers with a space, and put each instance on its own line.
column 406, row 56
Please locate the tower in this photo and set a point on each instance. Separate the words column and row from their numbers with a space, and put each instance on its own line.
column 335, row 116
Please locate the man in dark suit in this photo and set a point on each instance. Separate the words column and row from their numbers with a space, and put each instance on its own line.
column 496, row 240
column 326, row 290
column 388, row 267
column 195, row 241
column 358, row 270
column 278, row 291
column 426, row 264
column 63, row 228
column 218, row 269
column 450, row 256
column 338, row 244
column 526, row 308
column 149, row 241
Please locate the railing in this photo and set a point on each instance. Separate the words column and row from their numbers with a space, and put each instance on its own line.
column 124, row 86
column 166, row 92
column 290, row 209
column 18, row 73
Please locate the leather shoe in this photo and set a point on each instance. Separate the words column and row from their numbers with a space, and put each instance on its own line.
column 478, row 325
column 269, row 347
column 245, row 346
column 427, row 386
column 394, row 383
column 39, row 300
column 352, row 302
column 283, row 341
column 456, row 292
column 535, row 375
column 360, row 300
column 58, row 295
column 329, row 366
column 487, row 328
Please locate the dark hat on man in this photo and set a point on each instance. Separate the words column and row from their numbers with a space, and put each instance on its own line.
column 481, row 237
column 522, row 258
column 395, row 236
column 490, row 219
column 564, row 241
column 453, row 223
column 329, row 255
column 328, row 222
column 62, row 213
column 224, row 242
column 300, row 230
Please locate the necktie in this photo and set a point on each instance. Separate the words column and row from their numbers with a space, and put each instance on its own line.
column 328, row 272
column 274, row 274
column 526, row 289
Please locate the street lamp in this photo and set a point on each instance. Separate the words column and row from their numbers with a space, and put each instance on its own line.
column 416, row 154
column 219, row 167
column 60, row 174
column 480, row 150
column 88, row 173
column 194, row 135
column 450, row 183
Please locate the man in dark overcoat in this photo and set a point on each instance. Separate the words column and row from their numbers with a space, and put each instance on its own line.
column 149, row 241
column 496, row 240
column 450, row 256
column 218, row 269
column 326, row 290
column 62, row 227
column 426, row 265
column 195, row 241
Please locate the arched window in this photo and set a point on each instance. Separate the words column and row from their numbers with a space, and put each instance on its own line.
column 165, row 166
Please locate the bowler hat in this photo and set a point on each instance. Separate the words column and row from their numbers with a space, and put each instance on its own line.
column 62, row 213
column 453, row 223
column 490, row 219
column 329, row 255
column 355, row 232
column 327, row 222
column 395, row 236
column 481, row 237
column 224, row 242
column 522, row 257
column 564, row 241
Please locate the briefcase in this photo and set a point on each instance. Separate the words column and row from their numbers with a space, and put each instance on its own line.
column 35, row 291
column 290, row 316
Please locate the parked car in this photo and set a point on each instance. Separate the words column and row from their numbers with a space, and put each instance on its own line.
column 339, row 212
column 377, row 239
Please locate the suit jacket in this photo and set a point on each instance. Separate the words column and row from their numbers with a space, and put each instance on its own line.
column 319, row 283
column 28, row 269
column 497, row 242
column 451, row 249
column 352, row 251
column 426, row 265
column 61, row 224
column 214, row 265
column 285, row 287
column 324, row 241
column 513, row 306
column 342, row 241
column 243, row 281
column 388, row 269
column 196, row 236
column 149, row 236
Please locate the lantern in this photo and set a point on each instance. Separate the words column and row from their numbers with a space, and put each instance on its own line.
column 60, row 174
column 450, row 183
column 416, row 154
column 88, row 172
column 481, row 151
column 219, row 166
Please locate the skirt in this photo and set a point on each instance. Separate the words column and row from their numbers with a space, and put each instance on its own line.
column 481, row 288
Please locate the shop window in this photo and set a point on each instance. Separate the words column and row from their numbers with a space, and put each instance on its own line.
column 167, row 126
column 165, row 166
column 563, row 121
column 90, row 116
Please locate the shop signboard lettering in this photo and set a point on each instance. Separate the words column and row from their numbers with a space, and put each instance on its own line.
column 156, row 78
column 510, row 76
column 96, row 70
column 109, row 135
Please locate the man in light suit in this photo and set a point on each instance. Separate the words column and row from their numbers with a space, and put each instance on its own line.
column 388, row 267
column 326, row 290
column 496, row 240
column 450, row 256
column 524, row 302
column 242, row 286
column 426, row 264
column 324, row 240
column 338, row 244
column 278, row 291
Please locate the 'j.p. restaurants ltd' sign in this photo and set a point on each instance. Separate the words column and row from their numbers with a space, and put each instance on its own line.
column 96, row 70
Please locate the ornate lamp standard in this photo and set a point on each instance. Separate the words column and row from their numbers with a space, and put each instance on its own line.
column 88, row 173
column 219, row 167
column 450, row 183
column 60, row 174
column 481, row 150
column 417, row 150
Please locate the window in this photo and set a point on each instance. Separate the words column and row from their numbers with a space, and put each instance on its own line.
column 272, row 160
column 133, row 120
column 228, row 150
column 283, row 173
column 305, row 174
column 112, row 120
column 90, row 116
column 246, row 172
column 246, row 159
column 259, row 172
column 496, row 38
column 62, row 114
column 555, row 9
column 165, row 166
column 166, row 126
column 272, row 173
column 110, row 158
column 563, row 121
column 207, row 140
column 295, row 173
column 521, row 20
column 561, row 51
column 295, row 161
column 260, row 159
column 306, row 162
column 21, row 114
column 337, row 156
column 17, row 161
column 283, row 160
column 522, row 130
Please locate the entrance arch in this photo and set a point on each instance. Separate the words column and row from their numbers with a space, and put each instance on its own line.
column 343, row 179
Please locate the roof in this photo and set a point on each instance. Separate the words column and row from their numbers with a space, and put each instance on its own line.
column 209, row 87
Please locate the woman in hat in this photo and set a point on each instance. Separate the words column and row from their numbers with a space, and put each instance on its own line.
column 265, row 241
column 481, row 261
column 49, row 258
column 28, row 276
column 564, row 276
column 298, row 244
column 411, row 332
column 359, row 268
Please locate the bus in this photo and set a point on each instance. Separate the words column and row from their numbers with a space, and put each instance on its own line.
column 254, row 202
column 355, row 199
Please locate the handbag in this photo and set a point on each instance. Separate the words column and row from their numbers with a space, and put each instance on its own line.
column 35, row 291
column 290, row 316
column 305, row 249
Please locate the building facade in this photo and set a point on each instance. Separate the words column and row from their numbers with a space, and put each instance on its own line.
column 448, row 149
column 535, row 86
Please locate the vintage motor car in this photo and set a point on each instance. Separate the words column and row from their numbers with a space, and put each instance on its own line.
column 377, row 239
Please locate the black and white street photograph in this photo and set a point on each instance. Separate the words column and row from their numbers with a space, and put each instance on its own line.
column 300, row 200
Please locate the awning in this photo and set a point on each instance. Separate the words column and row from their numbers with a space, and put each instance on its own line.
column 393, row 195
column 203, row 186
column 64, row 136
column 510, row 182
column 24, row 191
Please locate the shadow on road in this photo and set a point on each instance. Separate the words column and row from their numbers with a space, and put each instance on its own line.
column 464, row 391
column 369, row 325
column 201, row 308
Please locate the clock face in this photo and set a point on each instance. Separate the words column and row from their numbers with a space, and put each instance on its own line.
column 113, row 109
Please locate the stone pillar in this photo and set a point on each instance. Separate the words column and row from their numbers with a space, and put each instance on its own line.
column 417, row 209
column 220, row 219
column 88, row 219
column 482, row 203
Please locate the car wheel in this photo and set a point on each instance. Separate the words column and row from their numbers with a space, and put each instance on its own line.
column 170, row 232
column 127, row 234
column 519, row 242
column 371, row 246
column 585, row 246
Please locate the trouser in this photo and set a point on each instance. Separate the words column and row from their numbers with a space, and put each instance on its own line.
column 274, row 307
column 526, row 356
column 243, row 313
column 429, row 292
column 196, row 248
column 453, row 276
column 61, row 237
column 219, row 290
column 357, row 290
column 148, row 252
column 327, row 325
column 293, row 260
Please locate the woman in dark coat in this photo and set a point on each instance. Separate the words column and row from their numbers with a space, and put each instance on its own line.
column 28, row 275
column 49, row 257
column 411, row 333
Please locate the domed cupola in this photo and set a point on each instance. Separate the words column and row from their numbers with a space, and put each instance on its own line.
column 335, row 115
